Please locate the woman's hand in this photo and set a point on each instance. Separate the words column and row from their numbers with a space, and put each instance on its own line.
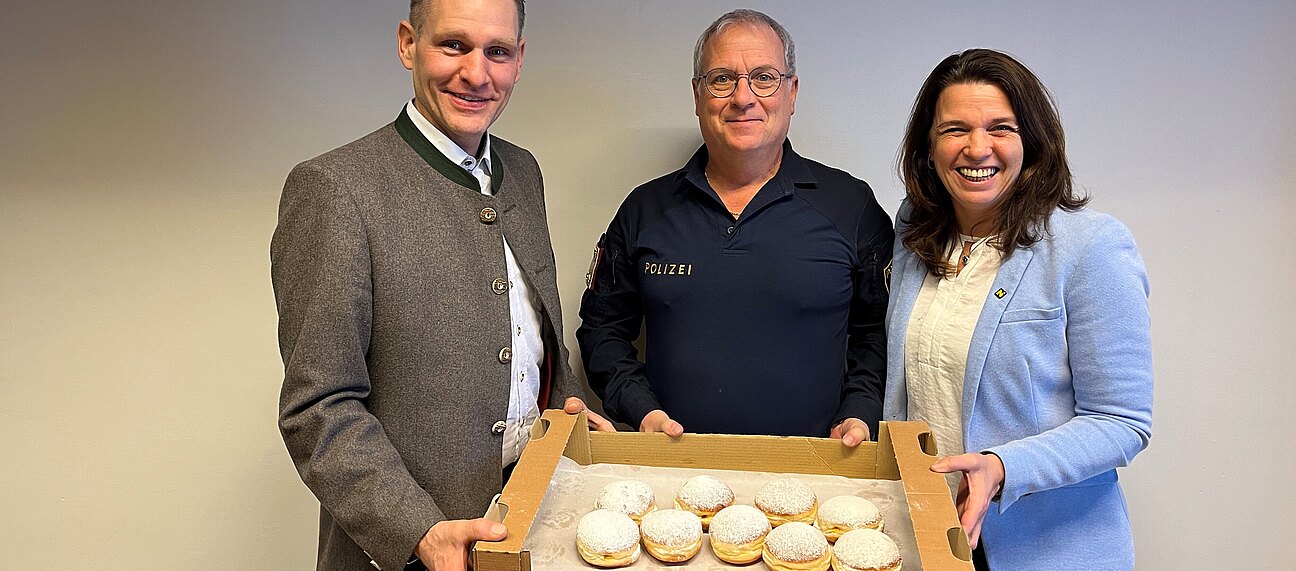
column 983, row 476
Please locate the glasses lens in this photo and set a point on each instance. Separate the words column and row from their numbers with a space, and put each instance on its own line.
column 721, row 82
column 765, row 81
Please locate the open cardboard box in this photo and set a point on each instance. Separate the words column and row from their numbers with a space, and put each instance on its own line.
column 904, row 451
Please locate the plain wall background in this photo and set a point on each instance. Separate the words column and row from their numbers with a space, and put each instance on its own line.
column 144, row 146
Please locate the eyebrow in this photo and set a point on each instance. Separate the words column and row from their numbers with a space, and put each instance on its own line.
column 956, row 122
column 464, row 33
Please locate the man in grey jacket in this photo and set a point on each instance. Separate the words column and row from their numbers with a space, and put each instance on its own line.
column 419, row 321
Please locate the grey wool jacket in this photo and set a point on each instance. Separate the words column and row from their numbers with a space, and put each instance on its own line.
column 385, row 264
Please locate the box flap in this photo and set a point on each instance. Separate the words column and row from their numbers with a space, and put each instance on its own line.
column 521, row 498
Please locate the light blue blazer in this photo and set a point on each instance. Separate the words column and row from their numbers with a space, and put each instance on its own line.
column 1058, row 385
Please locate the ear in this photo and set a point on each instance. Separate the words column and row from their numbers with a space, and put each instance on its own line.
column 698, row 98
column 521, row 54
column 406, row 38
column 794, row 83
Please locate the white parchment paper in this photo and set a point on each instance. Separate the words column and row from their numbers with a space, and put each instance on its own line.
column 573, row 489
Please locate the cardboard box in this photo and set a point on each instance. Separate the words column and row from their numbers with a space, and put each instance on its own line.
column 904, row 451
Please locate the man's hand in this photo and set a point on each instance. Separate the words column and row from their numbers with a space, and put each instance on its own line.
column 575, row 405
column 446, row 545
column 659, row 421
column 983, row 475
column 851, row 431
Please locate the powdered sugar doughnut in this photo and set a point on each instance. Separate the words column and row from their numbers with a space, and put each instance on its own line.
column 796, row 546
column 704, row 496
column 865, row 550
column 672, row 535
column 787, row 499
column 841, row 514
column 738, row 534
column 607, row 539
column 631, row 497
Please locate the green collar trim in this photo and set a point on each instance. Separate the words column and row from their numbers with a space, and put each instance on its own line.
column 415, row 139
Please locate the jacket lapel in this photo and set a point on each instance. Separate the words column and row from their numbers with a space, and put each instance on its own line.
column 907, row 276
column 1006, row 281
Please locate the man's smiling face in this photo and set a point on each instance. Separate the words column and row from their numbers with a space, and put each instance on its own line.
column 465, row 58
column 743, row 122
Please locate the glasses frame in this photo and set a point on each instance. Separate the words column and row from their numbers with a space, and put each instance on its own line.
column 738, row 77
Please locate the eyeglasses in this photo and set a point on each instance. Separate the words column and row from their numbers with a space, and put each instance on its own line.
column 763, row 81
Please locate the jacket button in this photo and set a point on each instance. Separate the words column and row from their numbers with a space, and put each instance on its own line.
column 498, row 427
column 506, row 355
column 488, row 215
column 499, row 286
column 729, row 230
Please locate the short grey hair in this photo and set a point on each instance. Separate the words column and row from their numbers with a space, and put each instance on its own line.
column 750, row 17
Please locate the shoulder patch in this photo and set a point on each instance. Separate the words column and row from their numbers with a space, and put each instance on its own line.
column 886, row 275
column 592, row 274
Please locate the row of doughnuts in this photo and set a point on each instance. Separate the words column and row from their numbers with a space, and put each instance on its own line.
column 738, row 533
column 782, row 500
column 798, row 546
column 606, row 538
column 701, row 495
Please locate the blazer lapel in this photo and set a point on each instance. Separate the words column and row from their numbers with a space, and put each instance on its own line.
column 907, row 276
column 911, row 275
column 997, row 299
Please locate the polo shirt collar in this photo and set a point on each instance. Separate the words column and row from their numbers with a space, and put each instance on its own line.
column 793, row 169
column 793, row 172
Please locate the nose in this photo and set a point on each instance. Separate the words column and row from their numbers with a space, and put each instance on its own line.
column 473, row 68
column 978, row 144
column 743, row 96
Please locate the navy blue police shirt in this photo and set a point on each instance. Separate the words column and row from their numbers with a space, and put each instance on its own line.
column 770, row 324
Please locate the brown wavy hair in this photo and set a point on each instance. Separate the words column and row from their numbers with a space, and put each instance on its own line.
column 1043, row 185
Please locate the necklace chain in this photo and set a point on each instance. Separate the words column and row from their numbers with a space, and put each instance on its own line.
column 969, row 246
column 707, row 176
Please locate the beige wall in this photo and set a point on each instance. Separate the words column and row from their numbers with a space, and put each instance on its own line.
column 144, row 147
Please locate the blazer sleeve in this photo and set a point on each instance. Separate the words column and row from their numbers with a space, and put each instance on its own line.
column 565, row 384
column 1109, row 353
column 320, row 268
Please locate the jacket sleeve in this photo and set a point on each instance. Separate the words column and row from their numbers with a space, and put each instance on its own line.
column 862, row 390
column 611, row 314
column 320, row 268
column 1108, row 350
column 565, row 384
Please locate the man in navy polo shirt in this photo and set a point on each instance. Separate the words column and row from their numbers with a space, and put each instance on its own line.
column 759, row 273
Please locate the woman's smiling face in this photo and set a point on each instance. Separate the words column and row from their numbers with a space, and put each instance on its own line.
column 976, row 149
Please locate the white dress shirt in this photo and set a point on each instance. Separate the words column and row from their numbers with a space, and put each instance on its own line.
column 527, row 346
column 937, row 343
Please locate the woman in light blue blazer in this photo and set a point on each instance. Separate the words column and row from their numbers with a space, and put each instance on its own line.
column 1018, row 323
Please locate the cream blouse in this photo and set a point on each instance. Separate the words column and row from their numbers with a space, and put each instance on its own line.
column 938, row 339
